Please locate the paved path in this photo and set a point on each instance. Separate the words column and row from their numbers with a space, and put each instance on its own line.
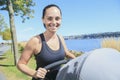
column 2, row 76
column 3, row 49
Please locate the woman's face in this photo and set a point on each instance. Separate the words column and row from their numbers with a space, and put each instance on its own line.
column 52, row 19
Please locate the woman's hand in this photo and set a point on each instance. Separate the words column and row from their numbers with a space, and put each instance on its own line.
column 40, row 73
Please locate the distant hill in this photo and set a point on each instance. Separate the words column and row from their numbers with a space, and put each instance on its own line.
column 94, row 35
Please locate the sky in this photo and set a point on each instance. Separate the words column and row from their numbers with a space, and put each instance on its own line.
column 78, row 17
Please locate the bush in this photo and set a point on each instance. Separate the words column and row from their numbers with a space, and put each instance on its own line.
column 21, row 46
column 76, row 53
column 111, row 43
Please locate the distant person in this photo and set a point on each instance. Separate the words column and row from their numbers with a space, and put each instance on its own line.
column 48, row 47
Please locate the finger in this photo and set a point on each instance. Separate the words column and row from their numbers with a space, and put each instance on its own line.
column 42, row 70
column 40, row 75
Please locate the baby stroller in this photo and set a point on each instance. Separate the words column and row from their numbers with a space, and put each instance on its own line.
column 99, row 64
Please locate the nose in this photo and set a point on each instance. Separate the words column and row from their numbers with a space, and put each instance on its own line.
column 54, row 21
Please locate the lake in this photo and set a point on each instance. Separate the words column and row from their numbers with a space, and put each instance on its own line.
column 83, row 45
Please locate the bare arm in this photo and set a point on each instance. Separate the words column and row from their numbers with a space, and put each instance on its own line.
column 29, row 50
column 68, row 54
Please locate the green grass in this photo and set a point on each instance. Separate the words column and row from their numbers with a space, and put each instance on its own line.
column 8, row 68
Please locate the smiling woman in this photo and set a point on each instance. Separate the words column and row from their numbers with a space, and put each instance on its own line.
column 52, row 20
column 47, row 47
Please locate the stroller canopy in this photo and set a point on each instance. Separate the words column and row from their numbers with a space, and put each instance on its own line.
column 99, row 64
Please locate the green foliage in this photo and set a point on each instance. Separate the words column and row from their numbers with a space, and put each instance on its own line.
column 76, row 53
column 20, row 7
column 23, row 7
column 6, row 34
column 3, row 25
column 2, row 3
column 21, row 48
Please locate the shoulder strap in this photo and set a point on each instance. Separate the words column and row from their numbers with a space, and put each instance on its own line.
column 42, row 37
column 59, row 39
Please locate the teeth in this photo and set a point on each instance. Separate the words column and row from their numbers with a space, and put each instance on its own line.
column 52, row 25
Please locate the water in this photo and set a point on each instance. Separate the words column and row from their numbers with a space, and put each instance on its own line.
column 83, row 45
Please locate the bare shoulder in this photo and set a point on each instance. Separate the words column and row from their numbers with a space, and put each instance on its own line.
column 33, row 43
column 34, row 40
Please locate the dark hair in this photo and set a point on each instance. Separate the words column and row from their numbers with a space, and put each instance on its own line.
column 49, row 6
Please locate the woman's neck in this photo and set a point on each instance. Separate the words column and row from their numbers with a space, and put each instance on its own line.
column 49, row 35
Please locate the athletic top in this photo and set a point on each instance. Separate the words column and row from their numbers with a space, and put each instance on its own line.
column 47, row 56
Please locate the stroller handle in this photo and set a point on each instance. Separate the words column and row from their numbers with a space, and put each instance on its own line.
column 55, row 64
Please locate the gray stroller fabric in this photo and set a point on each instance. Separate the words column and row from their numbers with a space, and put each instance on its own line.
column 99, row 64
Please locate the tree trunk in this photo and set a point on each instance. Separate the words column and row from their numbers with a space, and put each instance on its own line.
column 13, row 31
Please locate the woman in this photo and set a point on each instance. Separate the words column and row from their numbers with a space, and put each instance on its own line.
column 47, row 47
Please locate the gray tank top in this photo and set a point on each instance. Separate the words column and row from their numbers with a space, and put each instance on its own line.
column 47, row 55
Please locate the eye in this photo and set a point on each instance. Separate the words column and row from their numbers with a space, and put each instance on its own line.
column 50, row 18
column 57, row 18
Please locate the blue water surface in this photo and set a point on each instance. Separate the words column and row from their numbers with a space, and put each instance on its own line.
column 83, row 45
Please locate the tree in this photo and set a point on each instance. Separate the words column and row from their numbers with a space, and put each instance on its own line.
column 17, row 7
column 3, row 25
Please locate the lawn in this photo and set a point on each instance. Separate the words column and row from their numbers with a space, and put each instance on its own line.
column 8, row 68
